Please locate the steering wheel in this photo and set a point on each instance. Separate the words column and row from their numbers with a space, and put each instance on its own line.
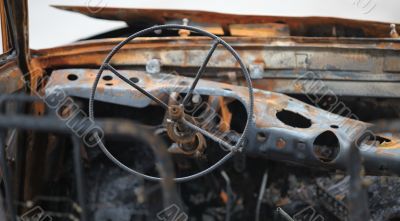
column 176, row 113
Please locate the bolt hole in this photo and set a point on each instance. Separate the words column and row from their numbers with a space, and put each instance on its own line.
column 261, row 137
column 334, row 126
column 72, row 77
column 134, row 79
column 107, row 78
column 109, row 84
column 227, row 89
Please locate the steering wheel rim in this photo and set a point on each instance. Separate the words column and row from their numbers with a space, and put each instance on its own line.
column 217, row 41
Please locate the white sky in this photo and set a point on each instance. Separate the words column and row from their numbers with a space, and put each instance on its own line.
column 51, row 27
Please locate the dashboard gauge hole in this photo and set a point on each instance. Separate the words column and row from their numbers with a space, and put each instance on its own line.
column 293, row 119
column 326, row 146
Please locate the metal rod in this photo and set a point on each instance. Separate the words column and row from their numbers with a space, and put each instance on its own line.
column 358, row 199
column 211, row 136
column 126, row 80
column 229, row 192
column 80, row 186
column 11, row 214
column 261, row 194
column 200, row 71
column 283, row 214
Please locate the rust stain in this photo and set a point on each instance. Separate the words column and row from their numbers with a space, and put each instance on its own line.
column 280, row 143
column 11, row 78
column 298, row 88
column 264, row 84
column 261, row 30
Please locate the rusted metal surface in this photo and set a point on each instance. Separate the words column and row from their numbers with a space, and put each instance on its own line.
column 260, row 30
column 276, row 53
column 338, row 87
column 289, row 139
column 344, row 64
column 4, row 32
column 118, row 92
column 299, row 26
column 17, row 20
column 11, row 78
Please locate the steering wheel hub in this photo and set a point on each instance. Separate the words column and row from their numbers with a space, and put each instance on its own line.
column 176, row 112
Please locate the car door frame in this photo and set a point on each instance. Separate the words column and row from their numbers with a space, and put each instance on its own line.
column 14, row 61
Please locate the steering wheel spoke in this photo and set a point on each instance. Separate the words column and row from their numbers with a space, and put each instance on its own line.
column 200, row 71
column 131, row 83
column 211, row 136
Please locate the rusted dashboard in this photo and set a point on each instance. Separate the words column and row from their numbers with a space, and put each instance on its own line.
column 284, row 128
column 275, row 64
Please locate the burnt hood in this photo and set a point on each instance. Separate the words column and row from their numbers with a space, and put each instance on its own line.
column 299, row 26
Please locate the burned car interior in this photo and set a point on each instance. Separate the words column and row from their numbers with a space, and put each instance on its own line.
column 198, row 115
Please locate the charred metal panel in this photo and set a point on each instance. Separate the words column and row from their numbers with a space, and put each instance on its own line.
column 345, row 65
column 285, row 141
